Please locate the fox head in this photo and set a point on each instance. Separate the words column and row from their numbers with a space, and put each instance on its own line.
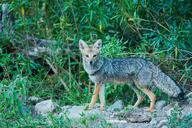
column 90, row 53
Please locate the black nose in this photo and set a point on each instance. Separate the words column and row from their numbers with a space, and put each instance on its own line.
column 91, row 62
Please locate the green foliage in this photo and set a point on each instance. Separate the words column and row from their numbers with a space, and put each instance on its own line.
column 95, row 119
column 156, row 30
column 113, row 48
column 12, row 94
column 175, row 120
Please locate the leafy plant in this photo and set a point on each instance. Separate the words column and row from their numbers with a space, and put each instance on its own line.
column 176, row 120
column 156, row 30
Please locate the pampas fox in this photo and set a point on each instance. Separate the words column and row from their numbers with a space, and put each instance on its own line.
column 136, row 71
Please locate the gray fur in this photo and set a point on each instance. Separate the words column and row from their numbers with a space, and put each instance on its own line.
column 130, row 70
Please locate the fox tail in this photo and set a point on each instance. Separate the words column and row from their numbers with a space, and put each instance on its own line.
column 167, row 85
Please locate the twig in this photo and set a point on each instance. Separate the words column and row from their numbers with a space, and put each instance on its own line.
column 186, row 51
column 6, row 20
column 39, row 42
column 4, row 13
column 56, row 72
column 45, row 42
column 4, row 16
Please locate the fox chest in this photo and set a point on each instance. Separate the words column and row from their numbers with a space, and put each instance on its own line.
column 96, row 78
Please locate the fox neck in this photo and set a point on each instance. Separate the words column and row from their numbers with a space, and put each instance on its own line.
column 93, row 68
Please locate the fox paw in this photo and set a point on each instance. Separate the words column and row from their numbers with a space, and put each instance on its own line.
column 150, row 110
column 102, row 108
column 90, row 106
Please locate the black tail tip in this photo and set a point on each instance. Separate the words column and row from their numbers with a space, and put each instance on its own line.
column 181, row 96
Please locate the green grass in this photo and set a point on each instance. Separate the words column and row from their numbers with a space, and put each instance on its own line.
column 176, row 120
column 157, row 30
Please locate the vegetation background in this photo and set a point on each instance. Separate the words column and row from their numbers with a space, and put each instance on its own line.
column 158, row 30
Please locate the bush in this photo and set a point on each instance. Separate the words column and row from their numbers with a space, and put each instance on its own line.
column 157, row 30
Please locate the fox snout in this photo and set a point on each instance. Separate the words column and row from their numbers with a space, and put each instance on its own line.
column 91, row 62
column 90, row 58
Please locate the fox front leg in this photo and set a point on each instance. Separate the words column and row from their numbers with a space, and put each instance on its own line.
column 102, row 97
column 94, row 97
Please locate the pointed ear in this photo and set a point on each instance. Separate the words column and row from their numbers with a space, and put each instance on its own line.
column 82, row 45
column 98, row 44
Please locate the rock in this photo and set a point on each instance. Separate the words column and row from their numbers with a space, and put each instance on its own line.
column 76, row 112
column 162, row 123
column 44, row 107
column 164, row 126
column 33, row 99
column 65, row 108
column 138, row 118
column 189, row 97
column 133, row 117
column 186, row 109
column 116, row 121
column 169, row 106
column 160, row 104
column 132, row 125
column 118, row 105
column 168, row 112
column 137, row 115
column 157, row 120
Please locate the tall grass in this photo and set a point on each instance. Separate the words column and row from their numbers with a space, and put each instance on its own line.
column 157, row 30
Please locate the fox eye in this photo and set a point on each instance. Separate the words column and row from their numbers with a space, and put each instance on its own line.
column 94, row 55
column 87, row 55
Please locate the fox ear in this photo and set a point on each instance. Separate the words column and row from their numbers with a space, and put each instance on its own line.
column 82, row 45
column 98, row 44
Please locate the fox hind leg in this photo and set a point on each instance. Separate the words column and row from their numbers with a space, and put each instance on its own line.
column 139, row 101
column 152, row 97
column 139, row 95
column 150, row 94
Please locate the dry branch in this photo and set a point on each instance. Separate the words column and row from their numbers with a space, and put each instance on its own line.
column 56, row 72
column 4, row 16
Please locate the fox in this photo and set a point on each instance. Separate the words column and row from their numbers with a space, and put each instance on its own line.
column 140, row 73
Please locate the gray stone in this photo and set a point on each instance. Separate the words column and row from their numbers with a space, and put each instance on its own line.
column 160, row 104
column 65, row 108
column 76, row 112
column 186, row 109
column 164, row 126
column 133, row 117
column 189, row 97
column 169, row 106
column 162, row 123
column 132, row 125
column 168, row 112
column 156, row 120
column 44, row 107
column 138, row 118
column 118, row 105
column 136, row 115
column 34, row 99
